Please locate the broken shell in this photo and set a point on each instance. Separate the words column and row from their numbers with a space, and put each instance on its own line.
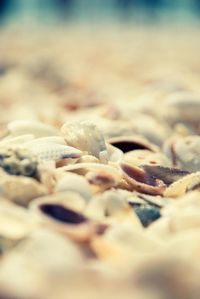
column 67, row 181
column 181, row 186
column 130, row 143
column 166, row 174
column 38, row 129
column 53, row 151
column 86, row 137
column 147, row 214
column 141, row 181
column 21, row 190
column 146, row 157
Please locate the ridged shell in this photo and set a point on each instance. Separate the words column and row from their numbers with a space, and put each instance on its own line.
column 53, row 151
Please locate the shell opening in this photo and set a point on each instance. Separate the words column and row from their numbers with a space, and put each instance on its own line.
column 62, row 214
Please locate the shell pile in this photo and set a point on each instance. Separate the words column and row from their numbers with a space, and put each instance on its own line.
column 99, row 166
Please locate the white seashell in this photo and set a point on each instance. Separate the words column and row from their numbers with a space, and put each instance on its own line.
column 73, row 182
column 19, row 140
column 53, row 151
column 86, row 137
column 181, row 186
column 114, row 154
column 38, row 129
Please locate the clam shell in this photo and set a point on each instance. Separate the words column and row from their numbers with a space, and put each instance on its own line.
column 65, row 220
column 38, row 129
column 21, row 190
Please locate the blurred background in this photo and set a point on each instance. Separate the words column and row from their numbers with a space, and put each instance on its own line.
column 44, row 11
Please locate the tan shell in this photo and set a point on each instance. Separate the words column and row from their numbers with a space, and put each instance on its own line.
column 145, row 157
column 21, row 190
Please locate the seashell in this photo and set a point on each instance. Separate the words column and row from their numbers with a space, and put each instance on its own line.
column 68, row 199
column 120, row 244
column 38, row 129
column 183, row 107
column 185, row 153
column 166, row 174
column 21, row 190
column 83, row 168
column 111, row 206
column 73, row 182
column 18, row 161
column 16, row 141
column 180, row 187
column 53, row 151
column 130, row 143
column 15, row 225
column 146, row 157
column 141, row 181
column 102, row 179
column 64, row 220
column 86, row 137
column 51, row 258
column 87, row 159
column 150, row 128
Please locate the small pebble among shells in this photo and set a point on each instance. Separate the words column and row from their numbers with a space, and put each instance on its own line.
column 99, row 166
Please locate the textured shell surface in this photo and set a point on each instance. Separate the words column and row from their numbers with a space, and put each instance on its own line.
column 86, row 137
column 53, row 151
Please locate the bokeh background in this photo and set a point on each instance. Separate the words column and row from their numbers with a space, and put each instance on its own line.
column 45, row 11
